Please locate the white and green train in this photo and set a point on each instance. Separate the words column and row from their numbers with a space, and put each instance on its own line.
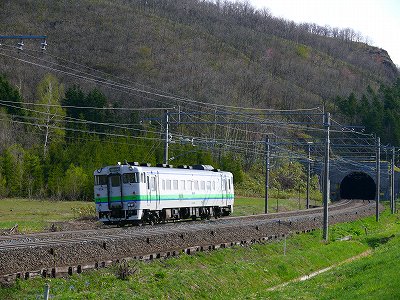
column 133, row 193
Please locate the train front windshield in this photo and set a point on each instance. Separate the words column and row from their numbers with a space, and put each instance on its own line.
column 100, row 180
column 115, row 179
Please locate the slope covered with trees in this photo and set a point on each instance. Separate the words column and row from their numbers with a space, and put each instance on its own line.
column 219, row 51
column 102, row 52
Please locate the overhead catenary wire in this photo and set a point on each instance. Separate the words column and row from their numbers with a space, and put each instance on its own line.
column 166, row 96
column 274, row 124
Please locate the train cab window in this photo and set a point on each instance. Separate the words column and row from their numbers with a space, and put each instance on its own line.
column 143, row 177
column 115, row 180
column 224, row 185
column 208, row 185
column 100, row 180
column 202, row 185
column 196, row 185
column 175, row 184
column 168, row 184
column 130, row 178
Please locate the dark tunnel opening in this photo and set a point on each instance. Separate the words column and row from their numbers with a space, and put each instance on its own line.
column 357, row 185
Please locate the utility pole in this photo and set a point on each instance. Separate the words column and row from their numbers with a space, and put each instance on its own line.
column 326, row 176
column 378, row 176
column 267, row 154
column 166, row 141
column 393, row 196
column 308, row 176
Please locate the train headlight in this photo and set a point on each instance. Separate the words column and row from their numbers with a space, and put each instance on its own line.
column 99, row 170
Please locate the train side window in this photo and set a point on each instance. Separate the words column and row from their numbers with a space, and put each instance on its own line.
column 130, row 178
column 196, row 185
column 100, row 180
column 213, row 185
column 189, row 185
column 168, row 184
column 148, row 183
column 202, row 185
column 229, row 184
column 182, row 185
column 208, row 185
column 152, row 183
column 175, row 184
column 224, row 184
column 163, row 184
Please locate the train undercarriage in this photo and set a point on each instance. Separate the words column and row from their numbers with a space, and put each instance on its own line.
column 122, row 217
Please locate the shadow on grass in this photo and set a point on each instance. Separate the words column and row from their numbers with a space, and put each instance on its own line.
column 377, row 241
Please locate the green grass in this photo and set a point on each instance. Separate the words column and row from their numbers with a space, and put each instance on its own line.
column 247, row 272
column 244, row 206
column 373, row 277
column 36, row 215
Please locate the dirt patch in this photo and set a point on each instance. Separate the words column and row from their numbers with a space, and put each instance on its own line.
column 81, row 224
column 74, row 225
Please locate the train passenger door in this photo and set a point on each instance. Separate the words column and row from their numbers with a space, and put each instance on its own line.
column 152, row 193
column 229, row 190
column 223, row 189
column 114, row 191
column 158, row 188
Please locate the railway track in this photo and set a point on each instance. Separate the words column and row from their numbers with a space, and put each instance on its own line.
column 36, row 239
column 54, row 253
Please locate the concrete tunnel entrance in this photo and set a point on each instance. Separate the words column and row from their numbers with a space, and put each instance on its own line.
column 357, row 185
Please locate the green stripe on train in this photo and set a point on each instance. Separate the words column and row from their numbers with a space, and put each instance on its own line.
column 163, row 198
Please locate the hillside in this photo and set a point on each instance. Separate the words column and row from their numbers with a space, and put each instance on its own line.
column 86, row 101
column 213, row 52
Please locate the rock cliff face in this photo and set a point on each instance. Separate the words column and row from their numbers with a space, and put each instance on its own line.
column 381, row 56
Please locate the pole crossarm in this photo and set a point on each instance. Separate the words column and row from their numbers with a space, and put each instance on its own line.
column 23, row 37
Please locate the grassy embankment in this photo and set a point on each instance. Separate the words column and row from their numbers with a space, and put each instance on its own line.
column 37, row 215
column 248, row 272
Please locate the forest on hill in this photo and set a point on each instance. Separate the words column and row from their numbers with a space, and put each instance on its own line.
column 125, row 59
column 211, row 51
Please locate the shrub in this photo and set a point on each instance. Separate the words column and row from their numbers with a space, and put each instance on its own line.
column 74, row 183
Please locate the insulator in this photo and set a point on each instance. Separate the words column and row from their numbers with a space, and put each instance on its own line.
column 20, row 45
column 44, row 44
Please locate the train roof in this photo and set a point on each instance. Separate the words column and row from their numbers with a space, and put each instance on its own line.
column 160, row 168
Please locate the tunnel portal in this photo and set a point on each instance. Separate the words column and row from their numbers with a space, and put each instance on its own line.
column 357, row 185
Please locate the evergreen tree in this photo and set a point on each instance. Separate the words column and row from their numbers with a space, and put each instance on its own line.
column 10, row 98
column 13, row 170
column 32, row 174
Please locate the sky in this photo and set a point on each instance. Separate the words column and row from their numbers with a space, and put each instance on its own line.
column 379, row 20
